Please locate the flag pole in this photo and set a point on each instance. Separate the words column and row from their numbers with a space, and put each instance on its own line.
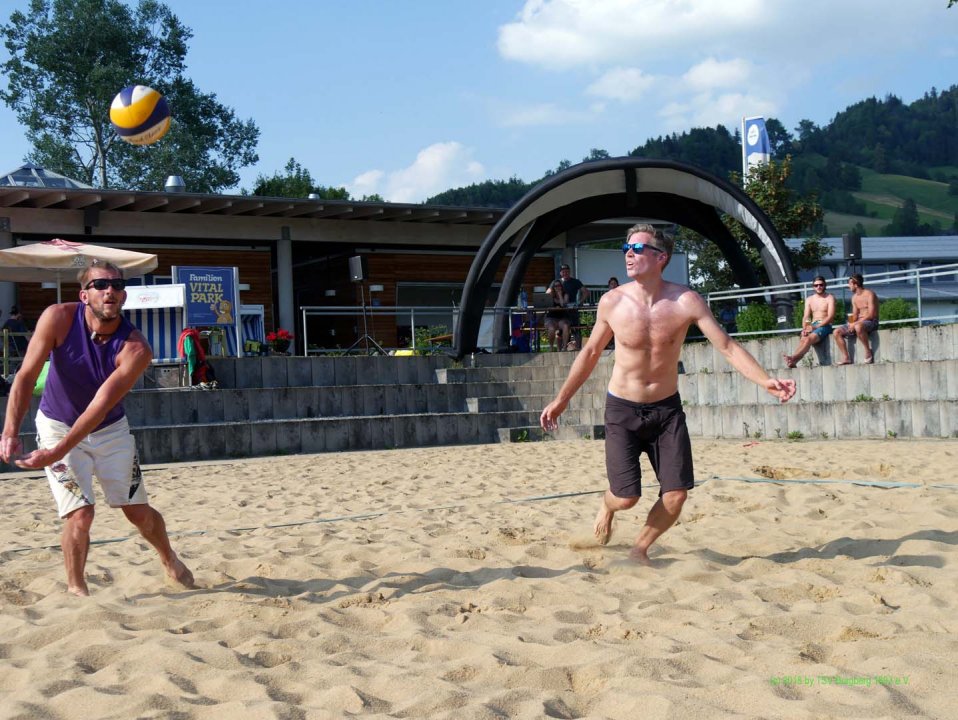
column 744, row 159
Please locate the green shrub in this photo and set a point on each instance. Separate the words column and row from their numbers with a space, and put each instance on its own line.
column 897, row 309
column 423, row 344
column 755, row 317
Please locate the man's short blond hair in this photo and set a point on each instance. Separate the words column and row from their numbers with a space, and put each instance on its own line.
column 96, row 264
column 663, row 240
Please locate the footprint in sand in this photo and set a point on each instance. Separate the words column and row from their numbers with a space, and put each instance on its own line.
column 588, row 542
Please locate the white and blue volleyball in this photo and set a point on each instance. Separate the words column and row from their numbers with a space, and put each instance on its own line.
column 140, row 115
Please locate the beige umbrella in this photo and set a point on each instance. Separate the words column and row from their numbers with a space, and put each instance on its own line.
column 58, row 259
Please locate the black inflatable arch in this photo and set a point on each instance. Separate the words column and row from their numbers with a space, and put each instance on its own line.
column 620, row 187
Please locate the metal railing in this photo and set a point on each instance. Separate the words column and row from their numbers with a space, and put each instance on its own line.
column 13, row 350
column 415, row 318
column 909, row 285
column 917, row 284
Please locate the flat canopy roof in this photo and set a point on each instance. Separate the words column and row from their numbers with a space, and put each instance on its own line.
column 238, row 205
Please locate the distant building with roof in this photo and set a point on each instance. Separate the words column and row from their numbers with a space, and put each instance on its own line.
column 30, row 175
column 291, row 252
column 939, row 295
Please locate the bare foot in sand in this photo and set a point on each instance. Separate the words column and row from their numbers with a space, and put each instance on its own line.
column 603, row 525
column 641, row 557
column 178, row 573
column 78, row 590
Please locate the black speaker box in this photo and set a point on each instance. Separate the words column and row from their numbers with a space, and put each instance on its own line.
column 852, row 245
column 357, row 268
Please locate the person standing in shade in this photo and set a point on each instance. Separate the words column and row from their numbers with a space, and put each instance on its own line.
column 816, row 321
column 96, row 356
column 861, row 321
column 557, row 318
column 15, row 324
column 649, row 319
column 577, row 295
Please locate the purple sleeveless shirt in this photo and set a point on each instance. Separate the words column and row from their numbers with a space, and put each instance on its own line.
column 77, row 370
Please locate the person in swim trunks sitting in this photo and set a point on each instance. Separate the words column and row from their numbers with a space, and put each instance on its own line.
column 861, row 321
column 649, row 318
column 816, row 321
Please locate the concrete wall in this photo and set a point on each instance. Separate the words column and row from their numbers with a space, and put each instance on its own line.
column 280, row 405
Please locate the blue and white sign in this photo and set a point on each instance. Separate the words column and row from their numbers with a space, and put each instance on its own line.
column 212, row 298
column 756, row 149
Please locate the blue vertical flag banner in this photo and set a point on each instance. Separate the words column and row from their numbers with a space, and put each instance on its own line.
column 756, row 149
column 212, row 297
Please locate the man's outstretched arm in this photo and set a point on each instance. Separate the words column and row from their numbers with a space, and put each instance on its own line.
column 579, row 372
column 737, row 356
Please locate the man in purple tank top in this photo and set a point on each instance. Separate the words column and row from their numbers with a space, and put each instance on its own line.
column 95, row 356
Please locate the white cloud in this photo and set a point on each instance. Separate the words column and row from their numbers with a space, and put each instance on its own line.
column 710, row 109
column 564, row 33
column 540, row 114
column 712, row 73
column 435, row 169
column 366, row 184
column 621, row 83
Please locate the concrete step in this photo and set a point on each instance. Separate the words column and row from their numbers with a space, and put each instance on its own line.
column 545, row 388
column 535, row 433
column 512, row 374
column 823, row 420
column 907, row 380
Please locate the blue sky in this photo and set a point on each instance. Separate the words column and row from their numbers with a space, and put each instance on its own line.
column 407, row 98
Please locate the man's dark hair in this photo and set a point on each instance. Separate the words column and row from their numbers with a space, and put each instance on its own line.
column 819, row 277
column 859, row 280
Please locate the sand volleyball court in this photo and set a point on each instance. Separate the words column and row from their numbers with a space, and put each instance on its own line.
column 440, row 583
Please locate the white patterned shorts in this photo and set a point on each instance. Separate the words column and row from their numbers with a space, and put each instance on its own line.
column 108, row 453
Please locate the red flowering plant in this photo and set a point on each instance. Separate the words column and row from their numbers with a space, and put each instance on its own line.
column 280, row 340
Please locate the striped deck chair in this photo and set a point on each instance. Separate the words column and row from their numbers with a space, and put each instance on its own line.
column 253, row 330
column 162, row 328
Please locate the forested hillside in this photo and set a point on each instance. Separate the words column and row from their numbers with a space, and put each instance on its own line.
column 880, row 167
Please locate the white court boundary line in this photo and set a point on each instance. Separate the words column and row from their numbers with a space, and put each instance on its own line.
column 882, row 484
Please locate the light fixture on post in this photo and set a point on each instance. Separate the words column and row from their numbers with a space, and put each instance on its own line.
column 174, row 183
column 357, row 274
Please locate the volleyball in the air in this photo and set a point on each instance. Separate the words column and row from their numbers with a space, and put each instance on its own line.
column 140, row 115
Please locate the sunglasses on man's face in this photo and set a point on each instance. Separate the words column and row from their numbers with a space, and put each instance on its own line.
column 637, row 248
column 818, row 285
column 117, row 284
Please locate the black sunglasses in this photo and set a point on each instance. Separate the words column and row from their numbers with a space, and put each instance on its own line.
column 639, row 247
column 818, row 284
column 117, row 284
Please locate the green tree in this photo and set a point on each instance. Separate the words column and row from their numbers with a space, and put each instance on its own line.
column 905, row 221
column 596, row 154
column 779, row 139
column 792, row 216
column 298, row 183
column 69, row 58
column 563, row 165
column 489, row 193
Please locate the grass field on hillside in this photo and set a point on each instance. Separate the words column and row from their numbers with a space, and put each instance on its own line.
column 838, row 223
column 931, row 196
column 883, row 195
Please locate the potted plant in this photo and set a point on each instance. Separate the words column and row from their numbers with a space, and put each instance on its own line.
column 279, row 340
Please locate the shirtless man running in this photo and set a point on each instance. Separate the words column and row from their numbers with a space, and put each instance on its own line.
column 816, row 321
column 649, row 319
